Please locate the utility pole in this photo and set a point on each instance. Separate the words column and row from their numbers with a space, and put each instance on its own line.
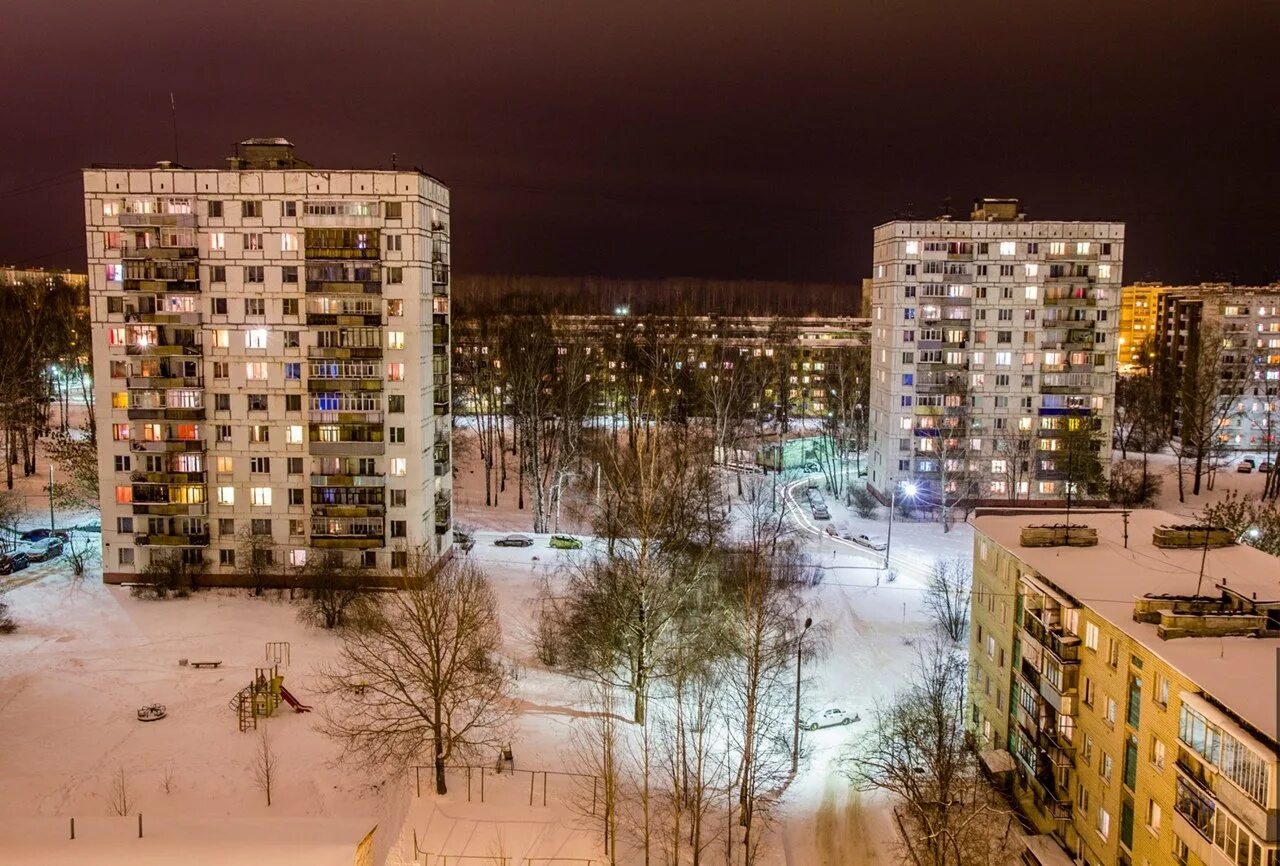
column 51, row 524
column 795, row 742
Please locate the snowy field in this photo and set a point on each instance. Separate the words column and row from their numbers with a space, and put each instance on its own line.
column 87, row 656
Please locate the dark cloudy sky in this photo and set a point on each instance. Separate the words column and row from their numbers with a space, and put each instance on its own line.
column 734, row 138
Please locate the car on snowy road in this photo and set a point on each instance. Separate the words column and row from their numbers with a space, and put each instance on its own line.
column 514, row 540
column 43, row 533
column 44, row 549
column 829, row 718
column 870, row 543
column 11, row 562
column 565, row 542
column 463, row 540
column 820, row 512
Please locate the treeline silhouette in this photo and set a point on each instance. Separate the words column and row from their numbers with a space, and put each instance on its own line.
column 486, row 294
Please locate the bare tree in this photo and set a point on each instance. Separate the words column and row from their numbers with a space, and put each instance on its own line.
column 916, row 751
column 265, row 762
column 1015, row 445
column 1205, row 392
column 75, row 454
column 1255, row 522
column 334, row 595
column 946, row 595
column 956, row 481
column 424, row 676
column 81, row 552
column 118, row 800
column 479, row 374
column 256, row 556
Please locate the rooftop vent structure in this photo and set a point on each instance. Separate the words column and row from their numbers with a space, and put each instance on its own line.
column 264, row 153
column 997, row 210
column 1192, row 536
column 1059, row 535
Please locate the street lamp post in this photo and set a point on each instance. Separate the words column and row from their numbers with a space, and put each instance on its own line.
column 909, row 489
column 795, row 742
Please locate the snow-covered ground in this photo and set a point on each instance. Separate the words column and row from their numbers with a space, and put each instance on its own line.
column 86, row 656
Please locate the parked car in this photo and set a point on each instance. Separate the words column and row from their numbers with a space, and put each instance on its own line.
column 870, row 543
column 463, row 540
column 89, row 527
column 829, row 718
column 1265, row 466
column 565, row 542
column 11, row 562
column 811, row 466
column 1244, row 467
column 514, row 540
column 44, row 549
column 820, row 512
column 43, row 533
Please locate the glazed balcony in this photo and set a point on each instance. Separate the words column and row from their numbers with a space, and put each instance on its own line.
column 358, row 416
column 157, row 254
column 163, row 381
column 167, row 446
column 139, row 477
column 199, row 539
column 344, row 480
column 171, row 509
column 343, row 353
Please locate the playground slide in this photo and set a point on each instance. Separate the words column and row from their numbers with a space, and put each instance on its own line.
column 298, row 706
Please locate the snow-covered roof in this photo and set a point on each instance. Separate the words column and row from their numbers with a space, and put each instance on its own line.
column 209, row 842
column 1238, row 672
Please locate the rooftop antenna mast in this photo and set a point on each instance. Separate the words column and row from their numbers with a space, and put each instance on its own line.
column 173, row 113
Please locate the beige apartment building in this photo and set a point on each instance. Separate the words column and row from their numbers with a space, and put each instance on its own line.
column 271, row 359
column 985, row 331
column 1129, row 679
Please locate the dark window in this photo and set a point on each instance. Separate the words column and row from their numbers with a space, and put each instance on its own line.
column 215, row 208
column 122, row 462
column 255, row 274
column 260, row 526
column 393, row 210
column 291, row 304
column 219, row 306
column 293, row 403
column 222, row 402
column 291, row 208
column 226, row 557
column 395, row 403
column 218, row 274
column 398, row 498
column 124, row 524
column 226, row 526
column 295, row 495
column 257, row 402
column 115, row 305
column 289, row 274
column 399, row 528
column 251, row 209
column 295, row 465
column 399, row 559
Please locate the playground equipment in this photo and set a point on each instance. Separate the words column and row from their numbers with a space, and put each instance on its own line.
column 277, row 652
column 263, row 696
column 152, row 713
column 258, row 699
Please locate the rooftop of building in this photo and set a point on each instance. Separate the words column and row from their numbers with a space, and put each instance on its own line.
column 1237, row 672
column 990, row 210
column 192, row 842
column 268, row 153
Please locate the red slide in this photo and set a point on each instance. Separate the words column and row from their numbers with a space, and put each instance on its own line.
column 298, row 706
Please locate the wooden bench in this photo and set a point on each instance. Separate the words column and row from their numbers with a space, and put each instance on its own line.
column 206, row 664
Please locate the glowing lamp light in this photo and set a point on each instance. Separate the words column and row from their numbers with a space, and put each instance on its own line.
column 910, row 488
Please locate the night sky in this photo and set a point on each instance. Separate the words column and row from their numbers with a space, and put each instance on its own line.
column 710, row 138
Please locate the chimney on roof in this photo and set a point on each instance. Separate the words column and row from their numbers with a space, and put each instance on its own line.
column 264, row 153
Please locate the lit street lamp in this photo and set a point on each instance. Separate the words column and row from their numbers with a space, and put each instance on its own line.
column 909, row 490
column 795, row 742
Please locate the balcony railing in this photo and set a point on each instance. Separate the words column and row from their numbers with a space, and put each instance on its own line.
column 189, row 540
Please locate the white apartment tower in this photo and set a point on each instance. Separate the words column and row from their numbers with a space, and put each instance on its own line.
column 271, row 351
column 999, row 327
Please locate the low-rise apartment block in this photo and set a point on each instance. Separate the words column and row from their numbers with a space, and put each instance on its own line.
column 1130, row 673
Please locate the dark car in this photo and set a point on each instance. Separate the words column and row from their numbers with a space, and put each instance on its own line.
column 11, row 562
column 514, row 540
column 463, row 540
column 42, row 533
column 44, row 549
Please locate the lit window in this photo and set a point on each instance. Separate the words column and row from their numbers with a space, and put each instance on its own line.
column 255, row 338
column 111, row 207
column 1057, row 248
column 120, row 400
column 397, row 466
column 120, row 432
column 298, row 557
column 1082, row 248
column 1031, row 293
column 288, row 242
column 124, row 494
column 1104, row 272
column 255, row 369
column 913, row 247
column 395, row 339
column 1032, row 269
column 260, row 496
column 221, row 338
column 395, row 372
column 115, row 336
column 293, row 434
column 115, row 272
column 217, row 241
column 225, row 464
column 1008, row 248
column 226, row 496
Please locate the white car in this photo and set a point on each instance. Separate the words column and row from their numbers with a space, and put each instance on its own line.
column 870, row 543
column 829, row 718
column 44, row 549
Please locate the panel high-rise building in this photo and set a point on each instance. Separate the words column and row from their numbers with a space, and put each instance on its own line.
column 271, row 362
column 991, row 337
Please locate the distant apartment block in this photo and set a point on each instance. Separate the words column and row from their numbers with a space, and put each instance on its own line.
column 271, row 351
column 13, row 276
column 1247, row 321
column 1123, row 687
column 988, row 332
column 1138, row 315
column 796, row 355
